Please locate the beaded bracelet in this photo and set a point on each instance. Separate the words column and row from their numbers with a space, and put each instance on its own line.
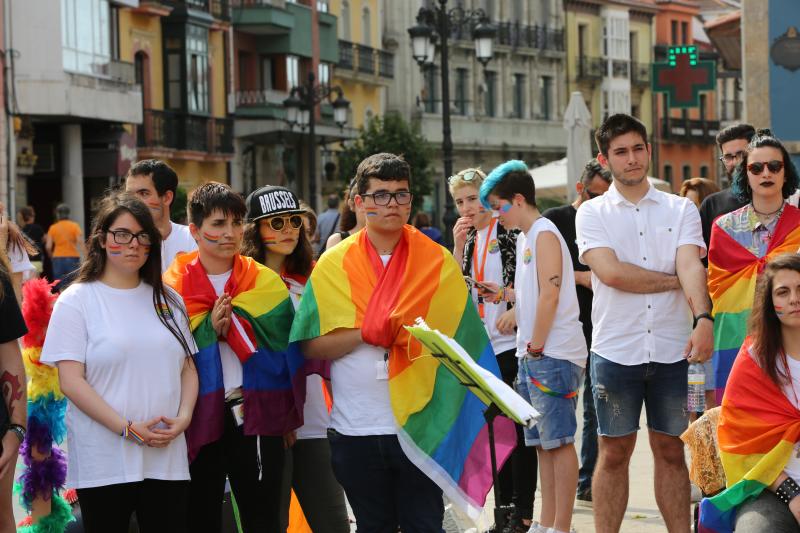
column 787, row 490
column 131, row 434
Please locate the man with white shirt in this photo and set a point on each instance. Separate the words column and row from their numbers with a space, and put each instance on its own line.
column 154, row 182
column 644, row 248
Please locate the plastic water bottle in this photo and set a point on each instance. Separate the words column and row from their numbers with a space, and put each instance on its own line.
column 696, row 401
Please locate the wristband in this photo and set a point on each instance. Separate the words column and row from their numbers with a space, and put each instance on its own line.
column 787, row 490
column 17, row 430
column 700, row 317
column 535, row 351
column 130, row 434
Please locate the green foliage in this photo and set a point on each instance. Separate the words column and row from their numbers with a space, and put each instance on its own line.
column 394, row 135
column 546, row 203
column 178, row 210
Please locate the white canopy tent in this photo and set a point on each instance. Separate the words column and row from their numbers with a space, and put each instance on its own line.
column 551, row 180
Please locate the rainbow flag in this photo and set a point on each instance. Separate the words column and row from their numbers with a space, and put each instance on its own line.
column 732, row 273
column 273, row 370
column 758, row 428
column 440, row 423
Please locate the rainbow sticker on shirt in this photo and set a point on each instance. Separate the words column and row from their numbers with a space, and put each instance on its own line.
column 163, row 310
column 494, row 247
column 527, row 256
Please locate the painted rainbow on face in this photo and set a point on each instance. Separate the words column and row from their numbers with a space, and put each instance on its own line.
column 269, row 241
column 114, row 249
column 372, row 211
column 779, row 310
column 211, row 239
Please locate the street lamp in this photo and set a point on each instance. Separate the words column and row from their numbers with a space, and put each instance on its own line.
column 437, row 23
column 300, row 111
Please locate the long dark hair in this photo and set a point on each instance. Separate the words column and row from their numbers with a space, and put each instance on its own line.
column 92, row 267
column 764, row 326
column 741, row 186
column 298, row 262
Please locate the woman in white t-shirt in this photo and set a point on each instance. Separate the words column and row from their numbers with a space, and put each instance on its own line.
column 277, row 239
column 123, row 349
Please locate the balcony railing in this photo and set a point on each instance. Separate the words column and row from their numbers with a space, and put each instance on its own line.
column 619, row 68
column 260, row 97
column 121, row 71
column 365, row 59
column 704, row 131
column 640, row 74
column 178, row 131
column 590, row 68
column 518, row 35
column 220, row 9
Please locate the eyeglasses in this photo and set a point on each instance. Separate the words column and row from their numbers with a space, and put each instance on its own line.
column 278, row 223
column 470, row 175
column 730, row 158
column 591, row 194
column 757, row 167
column 123, row 236
column 384, row 198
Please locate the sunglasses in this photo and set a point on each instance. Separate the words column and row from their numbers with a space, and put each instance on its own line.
column 278, row 223
column 470, row 175
column 591, row 194
column 757, row 167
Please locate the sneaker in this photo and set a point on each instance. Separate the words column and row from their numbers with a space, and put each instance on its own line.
column 516, row 525
column 536, row 528
column 584, row 498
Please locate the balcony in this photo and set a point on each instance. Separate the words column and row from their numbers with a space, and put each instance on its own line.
column 261, row 103
column 219, row 9
column 519, row 36
column 361, row 62
column 619, row 68
column 695, row 131
column 176, row 131
column 640, row 74
column 590, row 68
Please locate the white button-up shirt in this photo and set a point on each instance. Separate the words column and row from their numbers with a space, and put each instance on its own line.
column 629, row 328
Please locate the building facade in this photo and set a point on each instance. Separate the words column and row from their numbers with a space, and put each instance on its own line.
column 512, row 109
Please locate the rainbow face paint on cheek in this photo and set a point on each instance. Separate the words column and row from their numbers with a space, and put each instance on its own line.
column 372, row 211
column 779, row 311
column 211, row 239
column 114, row 249
column 267, row 242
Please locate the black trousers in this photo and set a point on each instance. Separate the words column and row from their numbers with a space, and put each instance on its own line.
column 517, row 478
column 159, row 506
column 236, row 456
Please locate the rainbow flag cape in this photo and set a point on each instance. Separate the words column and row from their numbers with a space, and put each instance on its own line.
column 758, row 428
column 273, row 370
column 440, row 423
column 732, row 273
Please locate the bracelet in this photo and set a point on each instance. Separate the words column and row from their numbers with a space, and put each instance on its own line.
column 699, row 317
column 130, row 434
column 535, row 351
column 18, row 430
column 501, row 295
column 787, row 490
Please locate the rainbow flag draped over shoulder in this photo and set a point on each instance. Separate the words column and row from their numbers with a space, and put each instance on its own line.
column 732, row 273
column 758, row 428
column 440, row 424
column 273, row 377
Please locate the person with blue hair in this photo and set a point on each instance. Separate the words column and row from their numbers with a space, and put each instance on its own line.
column 551, row 356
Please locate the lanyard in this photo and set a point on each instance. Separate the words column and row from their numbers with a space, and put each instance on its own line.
column 477, row 271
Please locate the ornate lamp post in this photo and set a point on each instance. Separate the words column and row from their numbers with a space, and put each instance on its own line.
column 300, row 111
column 436, row 24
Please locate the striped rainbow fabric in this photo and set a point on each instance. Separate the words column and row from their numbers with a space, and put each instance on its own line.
column 732, row 273
column 441, row 425
column 273, row 383
column 758, row 428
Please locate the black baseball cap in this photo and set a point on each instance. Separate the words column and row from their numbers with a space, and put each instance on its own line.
column 270, row 201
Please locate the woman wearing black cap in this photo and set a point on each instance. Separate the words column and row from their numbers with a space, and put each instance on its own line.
column 274, row 236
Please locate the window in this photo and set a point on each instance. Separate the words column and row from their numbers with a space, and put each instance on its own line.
column 491, row 93
column 674, row 32
column 488, row 8
column 292, row 72
column 668, row 174
column 583, row 29
column 85, row 36
column 429, row 94
column 687, row 172
column 344, row 27
column 461, row 91
column 322, row 5
column 244, row 69
column 366, row 27
column 266, row 73
column 324, row 73
column 545, row 12
column 519, row 96
column 684, row 33
column 616, row 38
column 633, row 46
column 615, row 101
column 517, row 13
column 704, row 171
column 546, row 99
column 703, row 106
column 174, row 87
column 197, row 68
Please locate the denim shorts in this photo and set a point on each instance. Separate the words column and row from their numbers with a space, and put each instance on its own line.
column 620, row 390
column 557, row 425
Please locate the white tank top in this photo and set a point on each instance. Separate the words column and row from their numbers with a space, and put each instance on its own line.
column 565, row 340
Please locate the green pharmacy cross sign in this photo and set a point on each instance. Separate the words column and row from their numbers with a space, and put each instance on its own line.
column 683, row 76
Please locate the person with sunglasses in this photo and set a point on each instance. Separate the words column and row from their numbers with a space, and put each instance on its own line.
column 744, row 240
column 594, row 182
column 276, row 238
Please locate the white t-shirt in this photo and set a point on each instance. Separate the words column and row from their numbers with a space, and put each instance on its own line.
column 493, row 271
column 360, row 383
column 19, row 260
column 232, row 373
column 630, row 328
column 134, row 363
column 565, row 340
column 179, row 241
column 316, row 418
column 792, row 391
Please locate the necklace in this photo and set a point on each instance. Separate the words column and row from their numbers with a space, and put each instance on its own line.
column 773, row 213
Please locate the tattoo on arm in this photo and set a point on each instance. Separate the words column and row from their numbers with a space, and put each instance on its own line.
column 11, row 389
column 555, row 280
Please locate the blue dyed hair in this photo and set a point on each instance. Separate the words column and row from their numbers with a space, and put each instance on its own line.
column 740, row 186
column 496, row 176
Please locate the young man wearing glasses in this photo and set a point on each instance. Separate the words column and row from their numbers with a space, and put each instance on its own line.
column 594, row 181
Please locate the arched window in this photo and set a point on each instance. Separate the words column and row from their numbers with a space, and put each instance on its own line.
column 345, row 21
column 141, row 69
column 366, row 27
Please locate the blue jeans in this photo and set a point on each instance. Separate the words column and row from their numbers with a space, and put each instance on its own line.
column 589, row 434
column 63, row 266
column 619, row 391
column 384, row 488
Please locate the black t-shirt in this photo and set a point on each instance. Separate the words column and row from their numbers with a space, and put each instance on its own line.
column 12, row 325
column 35, row 233
column 564, row 219
column 716, row 205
